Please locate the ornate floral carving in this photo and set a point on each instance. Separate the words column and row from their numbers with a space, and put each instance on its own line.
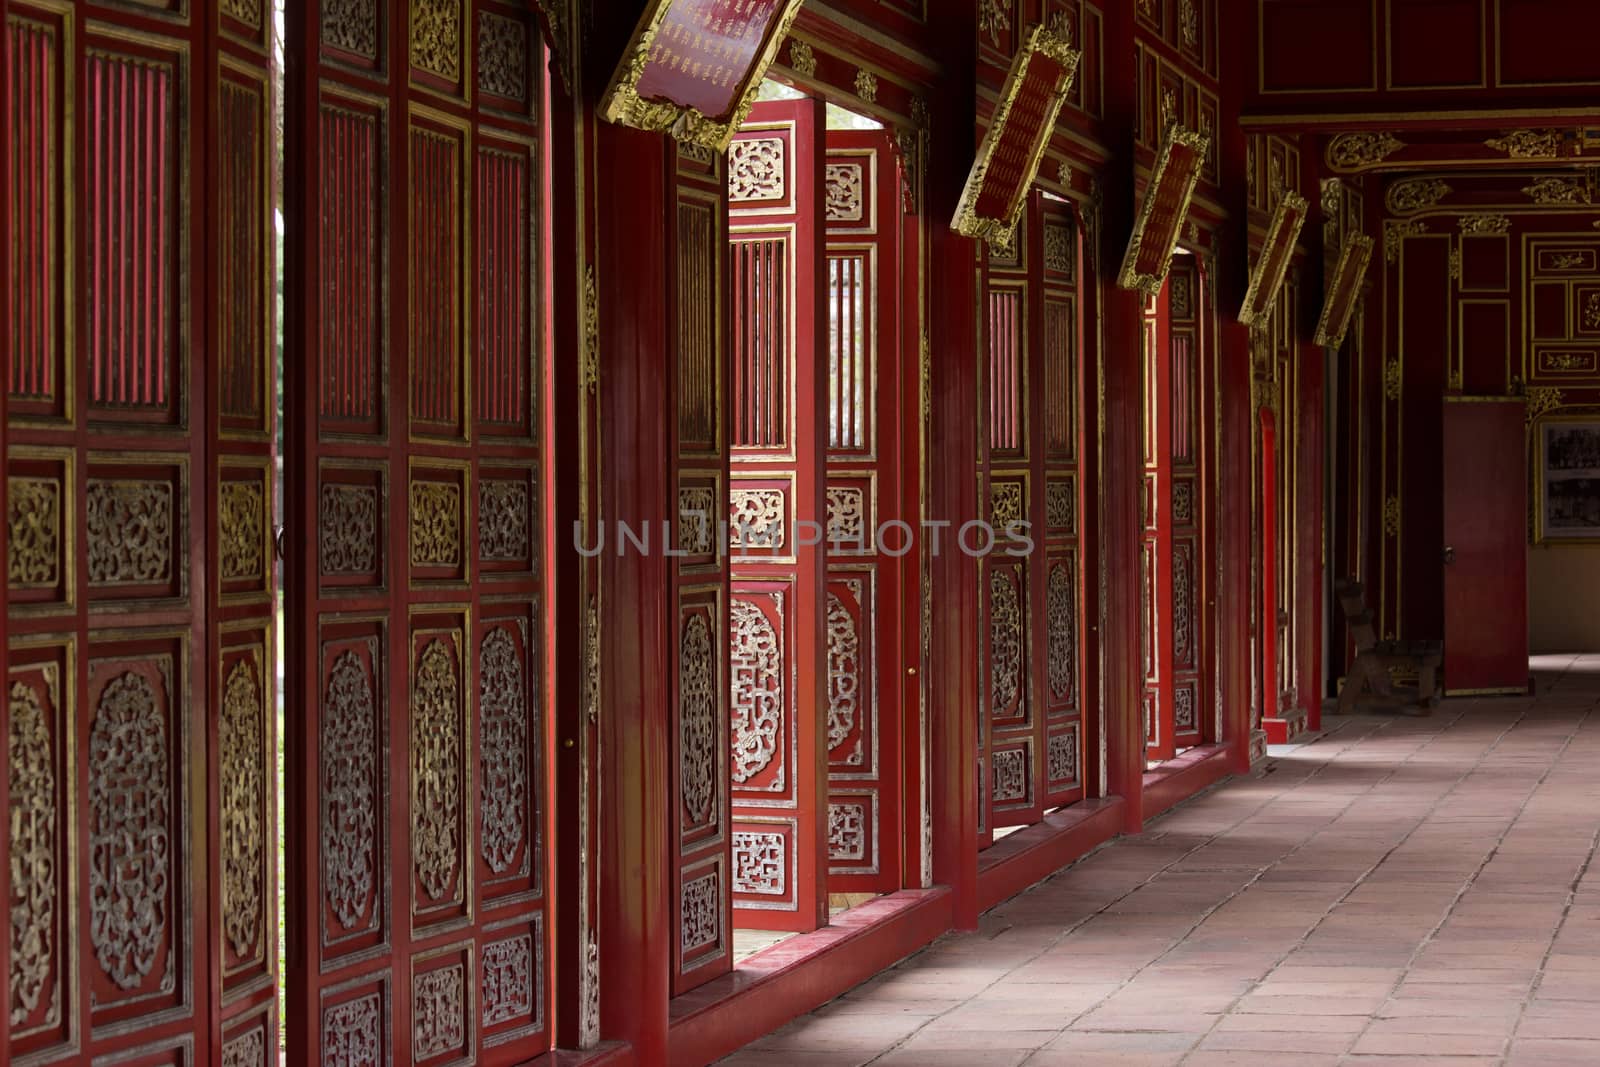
column 1009, row 768
column 1393, row 379
column 1542, row 400
column 1391, row 516
column 1591, row 312
column 802, row 59
column 438, row 1011
column 1061, row 757
column 436, row 37
column 243, row 786
column 350, row 1036
column 347, row 529
column 1181, row 296
column 33, row 532
column 756, row 518
column 1058, row 248
column 1005, row 643
column 34, row 890
column 503, row 534
column 508, row 982
column 246, row 11
column 994, row 18
column 843, row 183
column 502, row 56
column 847, row 832
column 351, row 26
column 697, row 519
column 758, row 859
column 844, row 677
column 503, row 717
column 1060, row 506
column 1061, row 617
column 239, row 522
column 435, row 524
column 1183, row 502
column 249, row 1049
column 756, row 669
column 130, row 833
column 436, row 770
column 1183, row 708
column 1528, row 144
column 1189, row 23
column 129, row 533
column 349, row 800
column 1411, row 195
column 701, row 914
column 1005, row 504
column 847, row 523
column 1353, row 151
column 591, row 331
column 757, row 169
column 697, row 718
column 1182, row 608
column 1396, row 231
column 1551, row 191
column 867, row 86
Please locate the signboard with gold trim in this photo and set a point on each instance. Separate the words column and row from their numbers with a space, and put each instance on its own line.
column 1162, row 214
column 1013, row 146
column 1266, row 275
column 1342, row 293
column 693, row 67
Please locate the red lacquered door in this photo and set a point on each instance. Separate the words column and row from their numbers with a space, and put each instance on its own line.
column 777, row 614
column 1155, row 567
column 1486, row 548
column 417, row 897
column 1267, row 604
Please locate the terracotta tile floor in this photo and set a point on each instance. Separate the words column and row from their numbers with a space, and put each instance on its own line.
column 1402, row 890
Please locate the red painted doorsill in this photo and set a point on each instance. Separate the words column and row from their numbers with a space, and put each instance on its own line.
column 1178, row 779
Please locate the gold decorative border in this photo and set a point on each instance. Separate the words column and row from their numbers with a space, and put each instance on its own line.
column 1039, row 41
column 1129, row 277
column 622, row 104
column 1354, row 257
column 1263, row 291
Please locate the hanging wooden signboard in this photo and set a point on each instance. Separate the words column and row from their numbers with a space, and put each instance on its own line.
column 1162, row 214
column 1009, row 155
column 1266, row 275
column 693, row 67
column 1343, row 289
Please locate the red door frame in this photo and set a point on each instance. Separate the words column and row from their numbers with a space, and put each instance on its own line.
column 1267, row 610
column 1156, row 513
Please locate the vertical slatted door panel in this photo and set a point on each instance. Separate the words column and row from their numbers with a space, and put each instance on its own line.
column 110, row 756
column 702, row 854
column 1184, row 501
column 777, row 611
column 863, row 211
column 1059, row 537
column 419, row 876
column 1156, row 633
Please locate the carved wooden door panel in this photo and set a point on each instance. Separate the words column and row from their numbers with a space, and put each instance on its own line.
column 1156, row 572
column 417, row 867
column 1267, row 606
column 865, row 463
column 777, row 616
column 1184, row 503
column 140, row 665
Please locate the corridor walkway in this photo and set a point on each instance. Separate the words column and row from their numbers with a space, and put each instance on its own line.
column 1399, row 891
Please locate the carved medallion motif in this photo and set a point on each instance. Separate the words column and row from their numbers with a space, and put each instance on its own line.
column 239, row 523
column 129, row 532
column 502, row 56
column 243, row 786
column 758, row 859
column 508, row 984
column 33, row 532
column 436, row 771
column 435, row 524
column 130, row 843
column 504, row 722
column 756, row 669
column 843, row 185
column 347, row 529
column 756, row 169
column 436, row 37
column 847, row 832
column 697, row 718
column 350, row 1036
column 844, row 677
column 847, row 522
column 701, row 915
column 1061, row 615
column 438, row 1011
column 349, row 767
column 756, row 517
column 351, row 26
column 1005, row 644
column 34, row 891
column 1010, row 769
column 503, row 535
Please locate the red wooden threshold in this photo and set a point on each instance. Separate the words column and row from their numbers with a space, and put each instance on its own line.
column 1178, row 779
column 1031, row 855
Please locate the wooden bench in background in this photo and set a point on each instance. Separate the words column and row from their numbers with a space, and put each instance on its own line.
column 1370, row 680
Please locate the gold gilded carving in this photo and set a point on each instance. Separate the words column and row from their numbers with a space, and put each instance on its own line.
column 435, row 524
column 802, row 59
column 1416, row 194
column 33, row 532
column 1267, row 273
column 243, row 785
column 1061, row 613
column 697, row 518
column 1005, row 504
column 246, row 11
column 756, row 169
column 1397, row 230
column 844, row 195
column 847, row 523
column 1391, row 516
column 436, row 37
column 504, row 723
column 1005, row 644
column 351, row 26
column 1476, row 224
column 1569, row 361
column 1455, row 264
column 756, row 518
column 436, row 771
column 1392, row 379
column 1130, row 276
column 239, row 524
column 867, row 86
column 697, row 719
column 1553, row 191
column 347, row 537
column 1064, row 174
column 558, row 16
column 1591, row 312
column 34, row 890
column 591, row 331
column 1528, row 144
column 1189, row 23
column 502, row 56
column 1353, row 151
column 993, row 20
column 503, row 534
column 1059, row 506
column 1542, row 400
column 348, row 752
column 129, row 532
column 1057, row 248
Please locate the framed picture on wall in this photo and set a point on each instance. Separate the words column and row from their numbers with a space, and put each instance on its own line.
column 1569, row 480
